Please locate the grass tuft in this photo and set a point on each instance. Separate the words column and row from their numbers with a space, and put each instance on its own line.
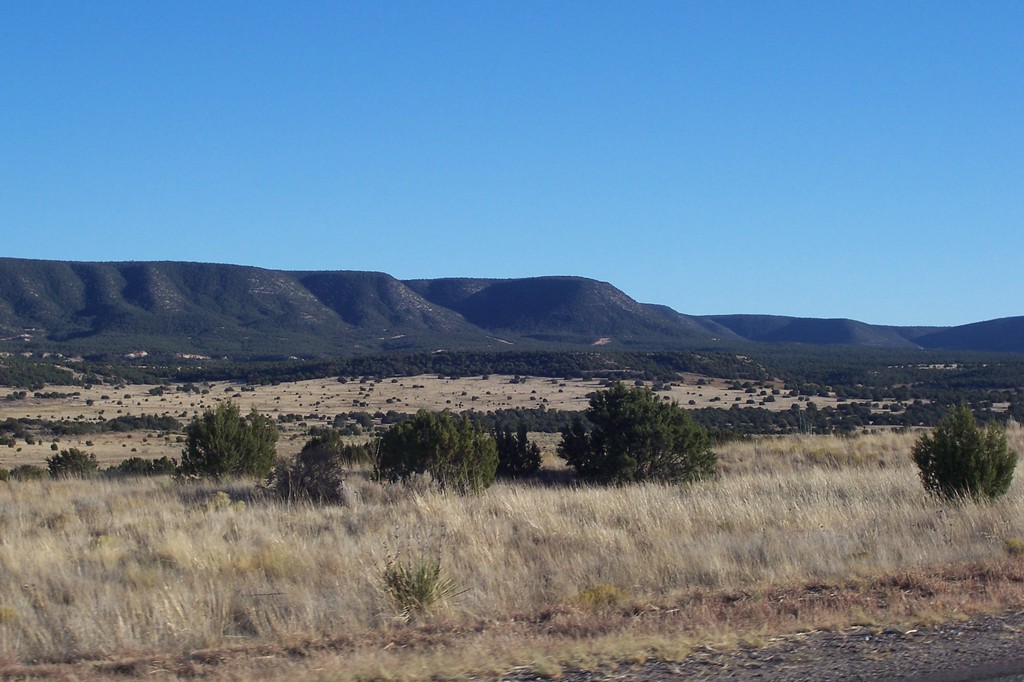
column 416, row 586
column 601, row 596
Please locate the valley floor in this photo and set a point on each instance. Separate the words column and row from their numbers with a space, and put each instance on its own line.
column 317, row 402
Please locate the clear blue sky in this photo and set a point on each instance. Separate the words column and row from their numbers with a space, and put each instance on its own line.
column 823, row 159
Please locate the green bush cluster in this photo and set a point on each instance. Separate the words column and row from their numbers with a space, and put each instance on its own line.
column 137, row 466
column 348, row 454
column 517, row 456
column 72, row 463
column 628, row 434
column 27, row 472
column 457, row 455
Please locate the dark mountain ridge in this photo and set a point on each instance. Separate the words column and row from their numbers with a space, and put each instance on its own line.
column 564, row 309
column 815, row 331
column 243, row 312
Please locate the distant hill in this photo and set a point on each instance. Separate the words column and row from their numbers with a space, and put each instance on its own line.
column 571, row 310
column 248, row 312
column 1003, row 335
column 775, row 329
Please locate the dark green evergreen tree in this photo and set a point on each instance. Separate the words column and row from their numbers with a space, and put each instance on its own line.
column 635, row 436
column 960, row 459
column 517, row 456
column 223, row 443
column 458, row 455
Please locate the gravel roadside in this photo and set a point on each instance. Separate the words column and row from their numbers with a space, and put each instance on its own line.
column 986, row 648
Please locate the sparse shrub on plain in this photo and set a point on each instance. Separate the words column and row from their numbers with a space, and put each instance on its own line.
column 137, row 466
column 960, row 459
column 635, row 436
column 350, row 454
column 28, row 472
column 223, row 443
column 517, row 456
column 72, row 463
column 1014, row 546
column 458, row 455
column 317, row 473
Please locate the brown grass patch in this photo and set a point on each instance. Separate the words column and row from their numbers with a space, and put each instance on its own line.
column 575, row 636
column 319, row 400
column 90, row 569
column 149, row 578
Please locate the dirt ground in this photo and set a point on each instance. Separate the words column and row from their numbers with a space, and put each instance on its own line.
column 985, row 648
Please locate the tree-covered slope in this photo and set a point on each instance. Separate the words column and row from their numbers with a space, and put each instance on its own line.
column 1002, row 335
column 246, row 312
column 779, row 329
column 565, row 309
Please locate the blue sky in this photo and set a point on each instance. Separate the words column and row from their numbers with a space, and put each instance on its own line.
column 819, row 159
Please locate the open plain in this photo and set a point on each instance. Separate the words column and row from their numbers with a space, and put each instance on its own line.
column 318, row 401
column 154, row 579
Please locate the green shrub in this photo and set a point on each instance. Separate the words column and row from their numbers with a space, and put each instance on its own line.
column 959, row 459
column 458, row 455
column 72, row 463
column 349, row 454
column 635, row 436
column 517, row 456
column 223, row 443
column 137, row 466
column 28, row 472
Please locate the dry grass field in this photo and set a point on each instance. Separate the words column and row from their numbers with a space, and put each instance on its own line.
column 156, row 579
column 318, row 401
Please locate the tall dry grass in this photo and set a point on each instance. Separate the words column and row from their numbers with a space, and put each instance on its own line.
column 766, row 454
column 93, row 567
